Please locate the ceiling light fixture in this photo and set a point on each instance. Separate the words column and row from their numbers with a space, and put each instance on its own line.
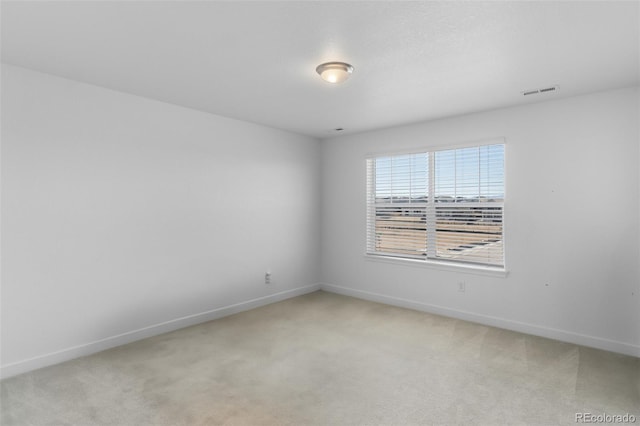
column 334, row 72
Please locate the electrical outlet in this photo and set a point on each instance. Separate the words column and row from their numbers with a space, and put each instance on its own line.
column 267, row 277
column 462, row 286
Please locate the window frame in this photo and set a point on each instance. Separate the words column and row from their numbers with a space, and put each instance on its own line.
column 434, row 262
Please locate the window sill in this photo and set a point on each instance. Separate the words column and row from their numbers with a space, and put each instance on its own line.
column 442, row 266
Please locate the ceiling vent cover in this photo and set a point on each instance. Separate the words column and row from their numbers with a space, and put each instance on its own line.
column 543, row 90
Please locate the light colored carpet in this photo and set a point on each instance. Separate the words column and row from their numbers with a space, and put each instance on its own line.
column 329, row 359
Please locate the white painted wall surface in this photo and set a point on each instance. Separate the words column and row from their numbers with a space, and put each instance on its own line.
column 120, row 213
column 123, row 217
column 571, row 212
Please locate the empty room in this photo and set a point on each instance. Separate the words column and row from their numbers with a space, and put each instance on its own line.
column 320, row 212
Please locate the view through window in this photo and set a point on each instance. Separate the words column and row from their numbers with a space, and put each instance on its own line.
column 444, row 205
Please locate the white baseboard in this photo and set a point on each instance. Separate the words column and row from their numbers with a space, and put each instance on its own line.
column 551, row 333
column 57, row 357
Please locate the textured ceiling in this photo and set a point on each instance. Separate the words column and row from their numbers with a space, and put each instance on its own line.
column 256, row 61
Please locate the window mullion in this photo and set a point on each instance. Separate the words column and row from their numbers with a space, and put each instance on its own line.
column 431, row 207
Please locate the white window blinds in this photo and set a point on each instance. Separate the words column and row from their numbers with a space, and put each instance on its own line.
column 445, row 205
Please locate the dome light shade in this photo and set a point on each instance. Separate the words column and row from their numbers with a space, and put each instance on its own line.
column 334, row 72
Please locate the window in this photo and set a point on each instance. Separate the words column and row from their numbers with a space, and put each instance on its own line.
column 443, row 205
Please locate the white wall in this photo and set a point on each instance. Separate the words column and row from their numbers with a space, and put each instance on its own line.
column 121, row 213
column 572, row 221
column 123, row 217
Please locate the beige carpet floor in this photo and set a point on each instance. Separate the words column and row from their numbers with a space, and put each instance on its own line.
column 332, row 360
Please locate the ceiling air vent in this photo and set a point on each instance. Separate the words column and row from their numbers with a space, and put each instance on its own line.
column 543, row 90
